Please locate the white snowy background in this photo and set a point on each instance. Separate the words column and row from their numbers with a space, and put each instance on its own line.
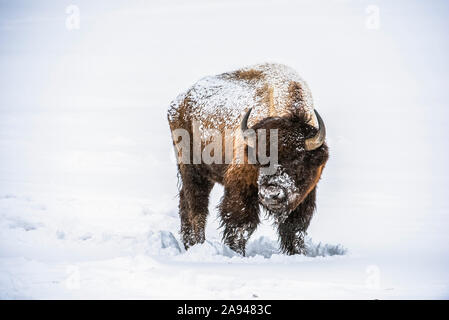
column 88, row 205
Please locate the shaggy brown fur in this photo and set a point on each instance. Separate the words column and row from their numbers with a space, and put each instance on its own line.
column 247, row 75
column 239, row 207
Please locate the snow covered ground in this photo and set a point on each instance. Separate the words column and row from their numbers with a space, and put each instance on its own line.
column 88, row 185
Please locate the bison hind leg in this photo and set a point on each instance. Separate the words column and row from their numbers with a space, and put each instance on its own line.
column 193, row 205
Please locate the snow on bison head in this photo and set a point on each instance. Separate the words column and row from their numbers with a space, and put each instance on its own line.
column 301, row 156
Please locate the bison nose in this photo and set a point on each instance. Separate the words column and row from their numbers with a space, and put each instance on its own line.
column 274, row 194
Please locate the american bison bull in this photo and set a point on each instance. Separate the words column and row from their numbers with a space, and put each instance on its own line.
column 274, row 102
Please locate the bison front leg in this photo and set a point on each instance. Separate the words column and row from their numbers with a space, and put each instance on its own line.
column 293, row 230
column 239, row 211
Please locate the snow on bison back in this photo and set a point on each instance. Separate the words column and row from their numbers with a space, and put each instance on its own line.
column 222, row 129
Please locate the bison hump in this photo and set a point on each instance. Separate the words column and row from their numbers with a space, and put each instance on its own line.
column 219, row 101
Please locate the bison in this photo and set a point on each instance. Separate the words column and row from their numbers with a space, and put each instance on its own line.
column 271, row 97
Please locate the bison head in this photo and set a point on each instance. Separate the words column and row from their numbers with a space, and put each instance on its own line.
column 302, row 155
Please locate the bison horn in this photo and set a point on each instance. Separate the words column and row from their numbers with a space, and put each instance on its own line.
column 244, row 124
column 317, row 141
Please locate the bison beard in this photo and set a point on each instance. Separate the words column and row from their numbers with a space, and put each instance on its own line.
column 302, row 155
